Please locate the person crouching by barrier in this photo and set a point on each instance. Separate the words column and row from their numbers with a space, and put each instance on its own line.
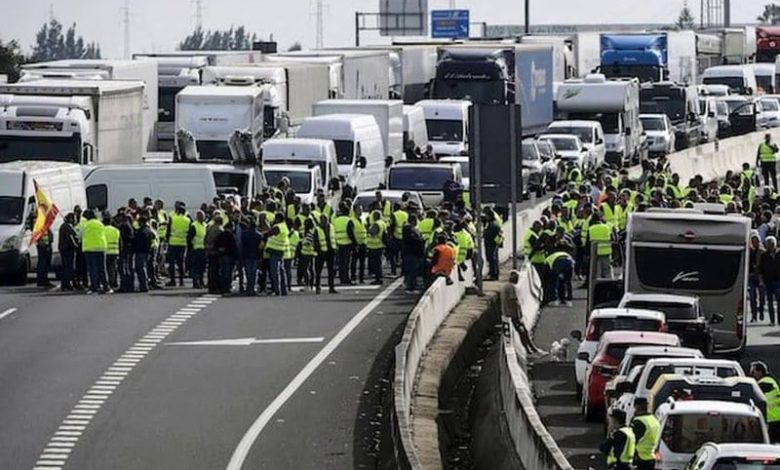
column 444, row 258
column 560, row 266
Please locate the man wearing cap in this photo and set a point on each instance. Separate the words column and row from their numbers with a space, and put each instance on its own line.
column 768, row 385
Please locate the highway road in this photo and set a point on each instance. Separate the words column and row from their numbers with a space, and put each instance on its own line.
column 180, row 380
column 554, row 382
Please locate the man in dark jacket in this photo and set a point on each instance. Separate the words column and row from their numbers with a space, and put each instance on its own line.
column 226, row 246
column 251, row 240
column 143, row 241
column 413, row 251
column 126, row 253
column 755, row 286
column 68, row 243
column 769, row 267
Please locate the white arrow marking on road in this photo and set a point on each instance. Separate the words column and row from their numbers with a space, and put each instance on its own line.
column 247, row 341
column 7, row 312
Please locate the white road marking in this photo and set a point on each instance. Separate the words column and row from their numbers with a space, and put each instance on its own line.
column 248, row 341
column 58, row 449
column 7, row 312
column 242, row 450
column 344, row 288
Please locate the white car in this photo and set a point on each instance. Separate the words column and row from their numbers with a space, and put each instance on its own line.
column 660, row 134
column 463, row 161
column 612, row 319
column 591, row 133
column 687, row 425
column 713, row 456
column 771, row 109
column 305, row 181
column 569, row 148
column 365, row 198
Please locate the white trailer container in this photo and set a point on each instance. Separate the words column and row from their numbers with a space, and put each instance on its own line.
column 587, row 52
column 105, row 69
column 564, row 66
column 356, row 74
column 389, row 114
column 682, row 56
column 99, row 121
column 213, row 113
column 298, row 85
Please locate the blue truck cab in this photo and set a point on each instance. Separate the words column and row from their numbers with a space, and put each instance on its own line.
column 645, row 56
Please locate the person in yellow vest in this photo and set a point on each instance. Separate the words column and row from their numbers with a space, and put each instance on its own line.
column 344, row 228
column 177, row 244
column 600, row 234
column 293, row 208
column 620, row 446
column 532, row 247
column 324, row 207
column 771, row 389
column 277, row 244
column 766, row 156
column 376, row 232
column 308, row 254
column 384, row 206
column 163, row 225
column 197, row 241
column 113, row 239
column 609, row 208
column 427, row 225
column 647, row 432
column 326, row 246
column 93, row 245
column 292, row 252
column 560, row 265
column 358, row 265
column 396, row 227
column 465, row 247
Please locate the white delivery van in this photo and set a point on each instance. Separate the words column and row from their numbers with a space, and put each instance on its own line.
column 389, row 115
column 63, row 185
column 765, row 78
column 109, row 187
column 305, row 181
column 305, row 152
column 739, row 78
column 359, row 147
column 427, row 179
column 415, row 130
column 448, row 126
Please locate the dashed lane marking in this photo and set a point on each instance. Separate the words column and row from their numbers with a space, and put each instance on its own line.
column 57, row 451
column 7, row 312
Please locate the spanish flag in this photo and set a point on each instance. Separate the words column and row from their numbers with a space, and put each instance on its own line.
column 47, row 212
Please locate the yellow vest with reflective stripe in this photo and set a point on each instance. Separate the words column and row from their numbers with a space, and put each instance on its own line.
column 610, row 214
column 425, row 226
column 199, row 240
column 94, row 237
column 645, row 447
column 359, row 229
column 627, row 455
column 772, row 399
column 324, row 247
column 400, row 217
column 112, row 240
column 307, row 244
column 376, row 242
column 550, row 260
column 340, row 225
column 180, row 226
column 766, row 153
column 465, row 243
column 528, row 240
column 294, row 238
column 601, row 234
column 279, row 242
column 162, row 224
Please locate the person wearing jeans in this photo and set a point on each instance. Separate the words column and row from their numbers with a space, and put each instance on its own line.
column 277, row 244
column 755, row 287
column 561, row 268
column 143, row 247
column 413, row 251
column 769, row 267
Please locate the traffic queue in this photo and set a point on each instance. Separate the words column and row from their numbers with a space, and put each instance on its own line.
column 645, row 364
column 265, row 244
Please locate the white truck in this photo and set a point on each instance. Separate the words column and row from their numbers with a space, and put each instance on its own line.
column 177, row 70
column 298, row 86
column 615, row 104
column 587, row 52
column 106, row 69
column 211, row 114
column 305, row 152
column 389, row 114
column 99, row 121
column 564, row 64
column 355, row 74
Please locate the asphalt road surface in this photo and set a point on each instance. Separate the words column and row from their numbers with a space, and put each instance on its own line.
column 179, row 380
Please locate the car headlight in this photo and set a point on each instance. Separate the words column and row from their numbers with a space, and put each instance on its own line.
column 10, row 244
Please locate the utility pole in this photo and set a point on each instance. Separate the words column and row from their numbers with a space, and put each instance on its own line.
column 726, row 13
column 527, row 16
column 126, row 27
column 198, row 14
column 320, row 18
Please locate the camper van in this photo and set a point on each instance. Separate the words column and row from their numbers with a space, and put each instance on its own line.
column 63, row 185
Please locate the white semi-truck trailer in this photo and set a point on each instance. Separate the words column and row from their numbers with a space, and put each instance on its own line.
column 106, row 69
column 79, row 121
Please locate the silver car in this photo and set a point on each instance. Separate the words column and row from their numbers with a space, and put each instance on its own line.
column 660, row 134
column 771, row 108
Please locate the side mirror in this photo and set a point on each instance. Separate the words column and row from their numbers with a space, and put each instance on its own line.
column 711, row 114
column 362, row 162
column 382, row 186
column 389, row 161
column 576, row 334
column 583, row 356
column 599, row 141
column 716, row 319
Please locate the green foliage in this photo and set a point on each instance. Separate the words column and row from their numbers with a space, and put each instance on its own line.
column 52, row 44
column 229, row 40
column 685, row 20
column 771, row 14
column 11, row 58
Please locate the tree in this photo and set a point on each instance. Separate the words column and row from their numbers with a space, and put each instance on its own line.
column 229, row 40
column 771, row 14
column 52, row 44
column 296, row 46
column 10, row 59
column 685, row 20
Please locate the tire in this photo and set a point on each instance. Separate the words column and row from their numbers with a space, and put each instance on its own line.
column 19, row 278
column 578, row 391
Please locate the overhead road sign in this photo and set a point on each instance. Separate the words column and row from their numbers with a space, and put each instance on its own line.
column 452, row 24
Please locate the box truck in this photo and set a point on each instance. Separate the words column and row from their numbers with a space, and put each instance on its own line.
column 106, row 69
column 650, row 57
column 564, row 66
column 298, row 85
column 98, row 121
column 63, row 184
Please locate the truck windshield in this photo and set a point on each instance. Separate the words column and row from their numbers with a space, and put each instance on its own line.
column 300, row 181
column 685, row 433
column 230, row 182
column 653, row 124
column 11, row 210
column 61, row 149
column 345, row 151
column 674, row 107
column 735, row 84
column 167, row 103
column 611, row 123
column 444, row 130
column 687, row 270
column 477, row 91
column 645, row 73
column 419, row 179
column 214, row 150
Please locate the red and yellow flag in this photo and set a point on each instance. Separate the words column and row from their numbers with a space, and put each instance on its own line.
column 47, row 212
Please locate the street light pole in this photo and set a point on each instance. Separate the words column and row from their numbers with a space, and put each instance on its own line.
column 527, row 16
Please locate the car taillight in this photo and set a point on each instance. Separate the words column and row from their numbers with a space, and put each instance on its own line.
column 740, row 319
column 590, row 335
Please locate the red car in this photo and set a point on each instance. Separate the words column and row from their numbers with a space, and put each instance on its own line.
column 604, row 366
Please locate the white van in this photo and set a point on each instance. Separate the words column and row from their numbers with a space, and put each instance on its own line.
column 448, row 126
column 590, row 133
column 109, row 187
column 64, row 186
column 428, row 179
column 415, row 129
column 765, row 78
column 359, row 147
column 687, row 425
column 305, row 181
column 739, row 78
column 306, row 152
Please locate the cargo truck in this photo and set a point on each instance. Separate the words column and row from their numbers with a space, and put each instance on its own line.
column 564, row 66
column 99, row 121
column 650, row 57
column 613, row 103
column 767, row 43
column 587, row 52
column 180, row 69
column 499, row 74
column 355, row 74
column 105, row 69
column 297, row 86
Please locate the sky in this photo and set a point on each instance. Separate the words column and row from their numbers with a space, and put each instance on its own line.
column 158, row 25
